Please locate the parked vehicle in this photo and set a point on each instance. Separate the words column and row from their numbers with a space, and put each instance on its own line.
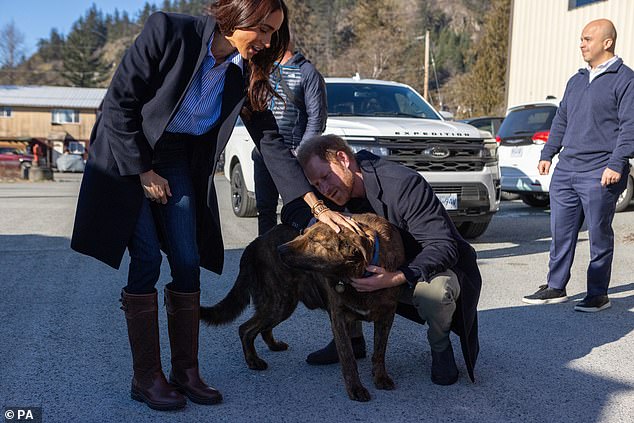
column 13, row 157
column 521, row 137
column 70, row 163
column 392, row 120
column 485, row 123
column 492, row 125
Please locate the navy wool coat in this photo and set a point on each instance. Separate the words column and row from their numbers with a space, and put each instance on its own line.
column 144, row 94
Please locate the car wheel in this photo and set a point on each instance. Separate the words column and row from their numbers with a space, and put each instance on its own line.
column 242, row 204
column 538, row 199
column 508, row 196
column 626, row 196
column 472, row 230
column 24, row 170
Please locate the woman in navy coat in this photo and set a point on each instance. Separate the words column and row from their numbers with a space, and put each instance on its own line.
column 148, row 183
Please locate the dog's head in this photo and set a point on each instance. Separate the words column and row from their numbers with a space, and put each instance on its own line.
column 321, row 249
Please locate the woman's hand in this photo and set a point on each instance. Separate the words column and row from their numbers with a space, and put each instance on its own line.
column 335, row 220
column 155, row 187
column 338, row 221
column 379, row 280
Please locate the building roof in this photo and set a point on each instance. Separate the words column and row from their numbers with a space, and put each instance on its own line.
column 46, row 96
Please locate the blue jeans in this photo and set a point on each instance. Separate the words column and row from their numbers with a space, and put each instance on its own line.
column 575, row 197
column 266, row 194
column 176, row 224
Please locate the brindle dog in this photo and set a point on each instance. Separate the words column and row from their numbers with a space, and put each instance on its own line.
column 280, row 268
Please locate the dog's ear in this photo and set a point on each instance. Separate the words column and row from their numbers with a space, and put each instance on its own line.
column 357, row 253
column 367, row 230
column 364, row 243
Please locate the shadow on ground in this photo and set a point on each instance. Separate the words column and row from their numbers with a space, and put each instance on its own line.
column 65, row 349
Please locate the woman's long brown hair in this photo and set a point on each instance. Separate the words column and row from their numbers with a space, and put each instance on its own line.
column 242, row 14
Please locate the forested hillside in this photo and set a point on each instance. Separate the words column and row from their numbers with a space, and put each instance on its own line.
column 381, row 39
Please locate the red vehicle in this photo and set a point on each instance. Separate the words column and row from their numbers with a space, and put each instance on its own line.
column 13, row 157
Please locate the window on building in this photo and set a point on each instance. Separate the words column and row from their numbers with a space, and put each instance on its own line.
column 5, row 111
column 76, row 147
column 578, row 3
column 65, row 116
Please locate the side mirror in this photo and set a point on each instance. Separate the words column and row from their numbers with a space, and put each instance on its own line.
column 446, row 114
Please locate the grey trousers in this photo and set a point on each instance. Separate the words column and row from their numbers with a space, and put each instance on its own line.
column 435, row 302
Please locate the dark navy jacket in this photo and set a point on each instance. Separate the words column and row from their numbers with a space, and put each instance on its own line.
column 145, row 92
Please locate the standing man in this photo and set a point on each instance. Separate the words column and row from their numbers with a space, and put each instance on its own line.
column 440, row 278
column 593, row 132
column 302, row 114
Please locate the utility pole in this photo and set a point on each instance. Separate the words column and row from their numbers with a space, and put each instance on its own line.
column 426, row 68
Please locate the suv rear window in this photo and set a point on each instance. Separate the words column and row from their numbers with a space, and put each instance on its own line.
column 359, row 99
column 525, row 122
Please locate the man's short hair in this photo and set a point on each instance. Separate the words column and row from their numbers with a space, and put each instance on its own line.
column 323, row 146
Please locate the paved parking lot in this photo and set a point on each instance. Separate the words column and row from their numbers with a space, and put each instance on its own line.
column 64, row 346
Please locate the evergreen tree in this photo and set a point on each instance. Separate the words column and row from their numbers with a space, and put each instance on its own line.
column 482, row 90
column 83, row 66
column 145, row 13
column 167, row 6
column 51, row 49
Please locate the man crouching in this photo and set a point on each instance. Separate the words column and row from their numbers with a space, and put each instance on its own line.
column 441, row 280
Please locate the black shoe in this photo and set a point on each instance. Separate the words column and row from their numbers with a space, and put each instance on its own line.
column 328, row 354
column 443, row 367
column 593, row 304
column 546, row 295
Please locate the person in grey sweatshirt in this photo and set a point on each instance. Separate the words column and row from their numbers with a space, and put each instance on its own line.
column 301, row 113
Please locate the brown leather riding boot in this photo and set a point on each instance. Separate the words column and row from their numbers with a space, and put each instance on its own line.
column 183, row 320
column 148, row 384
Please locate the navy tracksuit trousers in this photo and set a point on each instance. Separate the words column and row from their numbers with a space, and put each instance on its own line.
column 575, row 197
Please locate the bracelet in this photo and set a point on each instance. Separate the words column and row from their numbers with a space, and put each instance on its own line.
column 318, row 208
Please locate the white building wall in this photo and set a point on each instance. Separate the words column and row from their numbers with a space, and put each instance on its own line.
column 544, row 45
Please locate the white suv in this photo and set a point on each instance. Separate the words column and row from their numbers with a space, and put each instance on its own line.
column 392, row 120
column 522, row 136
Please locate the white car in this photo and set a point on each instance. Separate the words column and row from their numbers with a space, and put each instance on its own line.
column 521, row 137
column 392, row 120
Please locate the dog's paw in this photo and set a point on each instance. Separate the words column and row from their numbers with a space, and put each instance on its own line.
column 257, row 364
column 359, row 393
column 278, row 346
column 384, row 382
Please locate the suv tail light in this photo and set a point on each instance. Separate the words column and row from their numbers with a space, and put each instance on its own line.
column 540, row 137
column 498, row 139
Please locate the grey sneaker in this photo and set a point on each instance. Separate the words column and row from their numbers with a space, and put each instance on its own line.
column 593, row 304
column 546, row 295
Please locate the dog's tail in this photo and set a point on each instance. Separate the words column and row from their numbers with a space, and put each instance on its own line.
column 232, row 306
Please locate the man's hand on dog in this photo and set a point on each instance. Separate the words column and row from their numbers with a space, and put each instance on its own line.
column 379, row 280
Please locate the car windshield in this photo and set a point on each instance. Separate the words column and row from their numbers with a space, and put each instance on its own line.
column 359, row 99
column 523, row 122
column 10, row 150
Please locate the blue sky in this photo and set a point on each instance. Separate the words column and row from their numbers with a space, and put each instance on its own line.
column 36, row 18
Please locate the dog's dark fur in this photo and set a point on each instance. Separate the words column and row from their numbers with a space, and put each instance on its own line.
column 280, row 268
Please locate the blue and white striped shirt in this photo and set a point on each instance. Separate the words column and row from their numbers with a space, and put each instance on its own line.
column 201, row 106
